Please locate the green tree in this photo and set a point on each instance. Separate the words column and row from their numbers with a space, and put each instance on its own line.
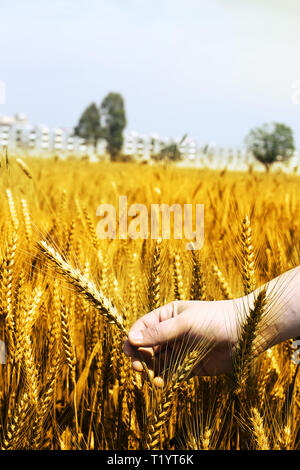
column 113, row 122
column 171, row 152
column 270, row 143
column 89, row 127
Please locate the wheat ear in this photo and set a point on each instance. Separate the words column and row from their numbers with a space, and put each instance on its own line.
column 259, row 431
column 83, row 286
column 222, row 283
column 177, row 275
column 17, row 424
column 198, row 285
column 88, row 291
column 244, row 350
column 12, row 210
column 163, row 409
column 25, row 168
column 26, row 218
column 154, row 288
column 247, row 257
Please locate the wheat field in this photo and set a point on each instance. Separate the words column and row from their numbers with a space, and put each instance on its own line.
column 69, row 298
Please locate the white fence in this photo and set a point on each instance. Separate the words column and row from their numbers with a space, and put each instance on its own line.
column 18, row 134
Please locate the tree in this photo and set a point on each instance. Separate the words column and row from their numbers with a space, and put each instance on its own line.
column 171, row 152
column 89, row 127
column 113, row 123
column 270, row 143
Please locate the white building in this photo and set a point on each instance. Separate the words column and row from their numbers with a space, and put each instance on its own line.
column 17, row 133
column 143, row 147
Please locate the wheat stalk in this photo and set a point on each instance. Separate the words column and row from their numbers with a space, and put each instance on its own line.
column 259, row 430
column 87, row 289
column 198, row 285
column 14, row 435
column 177, row 275
column 26, row 217
column 25, row 168
column 222, row 283
column 247, row 256
column 12, row 210
column 154, row 287
column 83, row 286
column 244, row 350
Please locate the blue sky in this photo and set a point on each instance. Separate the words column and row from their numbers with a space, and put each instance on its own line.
column 212, row 69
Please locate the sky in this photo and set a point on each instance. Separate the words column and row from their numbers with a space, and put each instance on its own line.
column 211, row 69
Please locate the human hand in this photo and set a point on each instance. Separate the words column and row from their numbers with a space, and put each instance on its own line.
column 183, row 324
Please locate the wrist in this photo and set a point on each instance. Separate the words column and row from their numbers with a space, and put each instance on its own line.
column 281, row 319
column 271, row 327
column 286, row 293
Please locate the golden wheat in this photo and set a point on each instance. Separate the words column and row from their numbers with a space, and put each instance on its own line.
column 68, row 300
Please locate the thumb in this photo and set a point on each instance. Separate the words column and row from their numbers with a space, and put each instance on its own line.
column 160, row 333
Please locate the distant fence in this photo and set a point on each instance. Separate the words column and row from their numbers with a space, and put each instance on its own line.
column 39, row 139
column 23, row 138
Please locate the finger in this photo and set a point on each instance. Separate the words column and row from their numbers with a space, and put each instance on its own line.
column 158, row 334
column 128, row 349
column 145, row 355
column 150, row 373
column 141, row 353
column 156, row 316
column 136, row 361
column 159, row 382
column 137, row 365
column 151, row 362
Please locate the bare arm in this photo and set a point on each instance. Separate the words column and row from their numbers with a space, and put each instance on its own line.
column 192, row 321
column 285, row 290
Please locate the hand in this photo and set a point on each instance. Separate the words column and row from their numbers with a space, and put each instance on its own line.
column 181, row 324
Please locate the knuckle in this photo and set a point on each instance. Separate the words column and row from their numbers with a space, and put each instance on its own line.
column 154, row 331
column 174, row 307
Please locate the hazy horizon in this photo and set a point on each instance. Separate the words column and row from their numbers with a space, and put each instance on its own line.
column 210, row 69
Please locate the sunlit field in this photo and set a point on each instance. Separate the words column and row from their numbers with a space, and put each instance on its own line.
column 68, row 299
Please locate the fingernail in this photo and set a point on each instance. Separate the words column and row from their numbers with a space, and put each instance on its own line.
column 137, row 366
column 136, row 336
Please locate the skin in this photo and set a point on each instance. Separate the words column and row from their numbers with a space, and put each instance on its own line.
column 175, row 326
